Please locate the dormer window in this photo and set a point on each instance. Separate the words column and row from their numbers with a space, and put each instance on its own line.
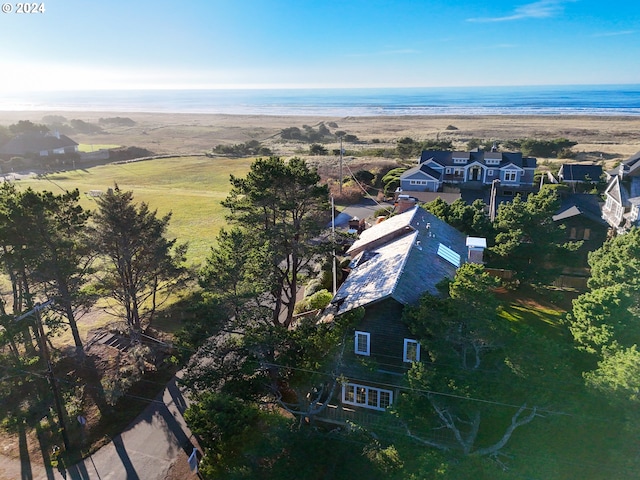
column 460, row 161
column 510, row 175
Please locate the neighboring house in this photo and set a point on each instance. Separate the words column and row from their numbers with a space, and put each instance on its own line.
column 582, row 218
column 437, row 167
column 579, row 173
column 622, row 205
column 393, row 264
column 38, row 144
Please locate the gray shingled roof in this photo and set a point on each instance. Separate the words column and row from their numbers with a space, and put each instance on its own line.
column 445, row 158
column 35, row 143
column 424, row 169
column 401, row 266
column 579, row 173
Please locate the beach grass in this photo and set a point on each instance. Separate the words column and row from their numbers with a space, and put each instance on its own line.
column 191, row 188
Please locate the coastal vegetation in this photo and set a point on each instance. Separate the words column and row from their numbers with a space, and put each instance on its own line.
column 544, row 389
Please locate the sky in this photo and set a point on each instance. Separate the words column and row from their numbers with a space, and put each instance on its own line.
column 141, row 44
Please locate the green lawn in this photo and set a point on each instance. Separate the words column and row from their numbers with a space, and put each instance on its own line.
column 86, row 148
column 189, row 187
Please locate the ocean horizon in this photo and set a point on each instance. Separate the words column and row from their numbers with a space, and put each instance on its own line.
column 595, row 100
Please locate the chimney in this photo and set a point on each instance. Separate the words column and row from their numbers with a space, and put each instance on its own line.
column 475, row 249
column 404, row 203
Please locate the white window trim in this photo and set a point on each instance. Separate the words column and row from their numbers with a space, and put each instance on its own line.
column 354, row 402
column 405, row 349
column 490, row 172
column 355, row 347
column 511, row 173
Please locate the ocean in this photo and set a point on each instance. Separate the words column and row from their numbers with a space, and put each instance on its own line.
column 606, row 100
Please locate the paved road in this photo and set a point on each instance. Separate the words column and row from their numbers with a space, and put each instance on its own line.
column 147, row 450
column 362, row 210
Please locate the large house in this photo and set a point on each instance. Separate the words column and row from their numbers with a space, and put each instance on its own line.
column 437, row 167
column 393, row 264
column 622, row 205
column 38, row 144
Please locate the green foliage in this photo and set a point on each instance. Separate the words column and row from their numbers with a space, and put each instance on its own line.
column 481, row 144
column 617, row 374
column 318, row 300
column 144, row 266
column 250, row 148
column 230, row 270
column 27, row 126
column 469, row 219
column 603, row 315
column 544, row 148
column 466, row 319
column 281, row 207
column 365, row 177
column 528, row 241
column 317, row 149
column 80, row 126
column 391, row 180
column 617, row 261
column 112, row 121
column 407, row 147
column 46, row 252
column 307, row 134
column 605, row 321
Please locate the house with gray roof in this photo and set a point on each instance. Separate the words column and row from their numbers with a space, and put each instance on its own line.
column 622, row 205
column 393, row 264
column 38, row 144
column 438, row 167
column 581, row 215
column 579, row 173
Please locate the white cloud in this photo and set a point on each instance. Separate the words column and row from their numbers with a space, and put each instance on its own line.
column 615, row 34
column 541, row 9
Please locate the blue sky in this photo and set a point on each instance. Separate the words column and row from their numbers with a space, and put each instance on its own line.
column 298, row 43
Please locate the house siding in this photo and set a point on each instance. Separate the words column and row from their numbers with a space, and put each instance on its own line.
column 387, row 333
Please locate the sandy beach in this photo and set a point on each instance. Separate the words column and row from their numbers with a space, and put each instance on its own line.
column 599, row 138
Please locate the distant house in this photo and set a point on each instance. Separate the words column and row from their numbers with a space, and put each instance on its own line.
column 579, row 173
column 393, row 264
column 38, row 144
column 622, row 205
column 581, row 216
column 437, row 167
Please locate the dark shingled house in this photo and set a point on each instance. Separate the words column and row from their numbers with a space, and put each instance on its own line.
column 38, row 144
column 393, row 264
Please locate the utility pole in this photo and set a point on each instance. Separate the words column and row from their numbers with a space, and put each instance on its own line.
column 35, row 311
column 333, row 239
column 493, row 207
column 340, row 165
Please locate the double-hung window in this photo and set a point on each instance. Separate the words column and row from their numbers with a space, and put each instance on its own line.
column 362, row 343
column 411, row 351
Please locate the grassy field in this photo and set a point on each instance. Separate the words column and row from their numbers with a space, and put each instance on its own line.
column 189, row 187
column 86, row 148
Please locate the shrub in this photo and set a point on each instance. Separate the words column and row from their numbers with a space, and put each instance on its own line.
column 318, row 300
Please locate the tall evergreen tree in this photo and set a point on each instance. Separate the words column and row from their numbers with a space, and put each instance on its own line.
column 143, row 263
column 527, row 238
column 62, row 251
column 282, row 208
